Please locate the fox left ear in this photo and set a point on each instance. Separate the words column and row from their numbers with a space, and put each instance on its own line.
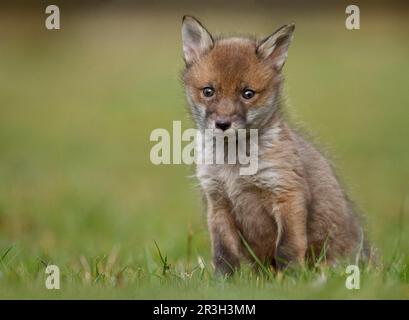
column 275, row 47
column 196, row 39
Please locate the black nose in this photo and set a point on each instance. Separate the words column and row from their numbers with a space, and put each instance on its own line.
column 223, row 124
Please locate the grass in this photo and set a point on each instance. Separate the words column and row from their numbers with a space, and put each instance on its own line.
column 77, row 188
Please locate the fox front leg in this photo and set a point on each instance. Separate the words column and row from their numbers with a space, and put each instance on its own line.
column 290, row 214
column 224, row 237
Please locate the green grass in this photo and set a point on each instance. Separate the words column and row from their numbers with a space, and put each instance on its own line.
column 77, row 188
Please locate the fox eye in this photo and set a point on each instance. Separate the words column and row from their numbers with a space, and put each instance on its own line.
column 248, row 94
column 208, row 92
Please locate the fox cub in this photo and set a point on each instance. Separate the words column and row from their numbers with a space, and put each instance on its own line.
column 293, row 208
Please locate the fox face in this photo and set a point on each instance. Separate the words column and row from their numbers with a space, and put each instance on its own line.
column 232, row 83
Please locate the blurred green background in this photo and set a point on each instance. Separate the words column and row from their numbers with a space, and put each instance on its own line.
column 77, row 107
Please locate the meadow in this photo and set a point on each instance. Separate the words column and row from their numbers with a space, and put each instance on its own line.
column 78, row 190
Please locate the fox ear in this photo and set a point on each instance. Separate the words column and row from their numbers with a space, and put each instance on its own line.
column 275, row 47
column 196, row 39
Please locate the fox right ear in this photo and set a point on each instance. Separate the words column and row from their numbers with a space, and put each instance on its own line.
column 196, row 39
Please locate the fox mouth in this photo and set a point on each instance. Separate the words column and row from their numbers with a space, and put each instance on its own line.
column 231, row 132
column 225, row 126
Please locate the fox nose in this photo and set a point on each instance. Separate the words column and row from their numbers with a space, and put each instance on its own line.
column 223, row 124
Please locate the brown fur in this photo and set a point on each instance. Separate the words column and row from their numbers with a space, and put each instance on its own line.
column 293, row 208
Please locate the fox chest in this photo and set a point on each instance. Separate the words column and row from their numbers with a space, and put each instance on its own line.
column 226, row 181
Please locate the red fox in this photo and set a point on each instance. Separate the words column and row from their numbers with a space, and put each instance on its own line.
column 293, row 208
